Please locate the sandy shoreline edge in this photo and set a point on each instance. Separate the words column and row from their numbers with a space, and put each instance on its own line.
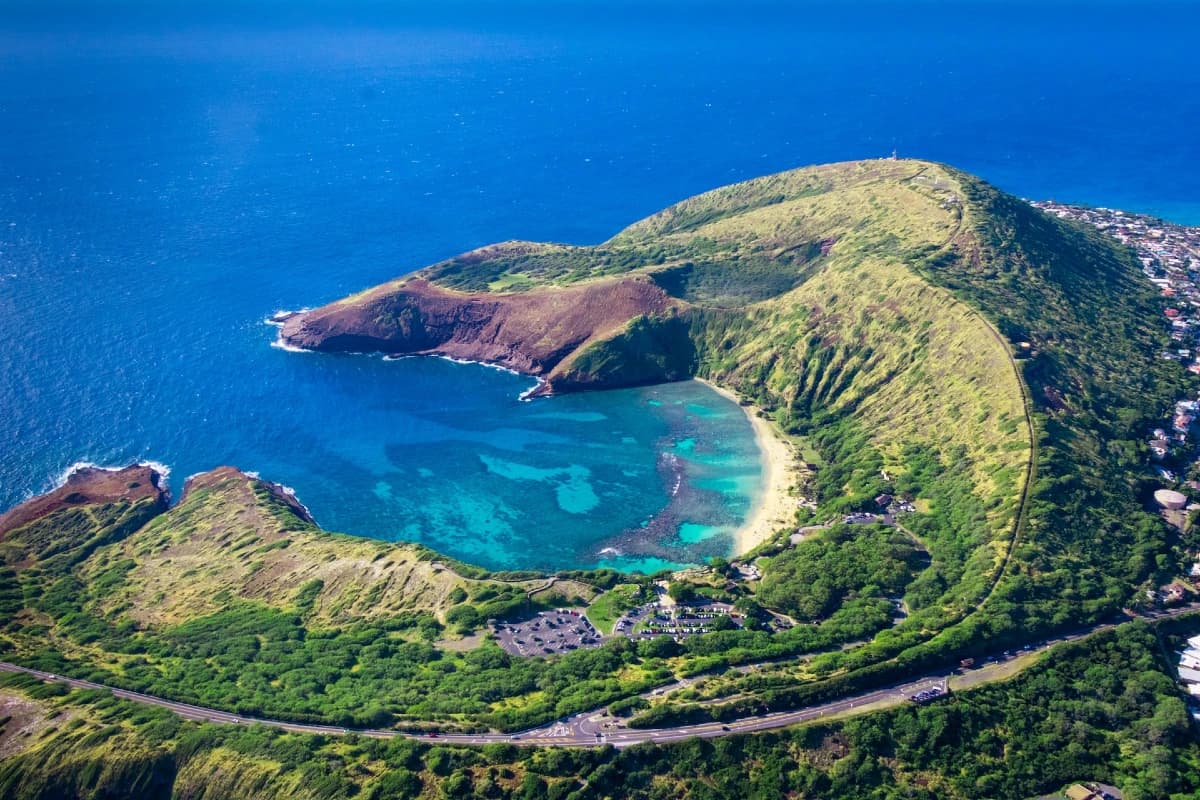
column 775, row 507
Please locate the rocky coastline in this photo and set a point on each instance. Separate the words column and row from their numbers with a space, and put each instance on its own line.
column 542, row 333
column 90, row 485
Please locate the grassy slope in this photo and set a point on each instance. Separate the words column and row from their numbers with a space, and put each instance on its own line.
column 1096, row 326
column 231, row 538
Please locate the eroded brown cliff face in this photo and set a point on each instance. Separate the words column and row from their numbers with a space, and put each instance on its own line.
column 88, row 486
column 534, row 332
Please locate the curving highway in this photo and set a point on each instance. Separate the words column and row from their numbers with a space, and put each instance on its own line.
column 594, row 728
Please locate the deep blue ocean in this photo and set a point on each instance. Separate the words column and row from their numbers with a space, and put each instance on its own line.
column 171, row 177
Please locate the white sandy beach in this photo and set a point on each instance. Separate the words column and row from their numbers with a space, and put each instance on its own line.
column 774, row 507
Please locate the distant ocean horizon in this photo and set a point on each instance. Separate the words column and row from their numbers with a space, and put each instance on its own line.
column 169, row 178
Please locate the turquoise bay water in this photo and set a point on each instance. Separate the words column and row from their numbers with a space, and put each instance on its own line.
column 170, row 177
column 581, row 479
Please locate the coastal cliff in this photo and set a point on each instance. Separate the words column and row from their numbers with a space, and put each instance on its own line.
column 90, row 486
column 539, row 333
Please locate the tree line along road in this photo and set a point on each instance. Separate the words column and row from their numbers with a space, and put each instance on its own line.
column 580, row 731
column 576, row 731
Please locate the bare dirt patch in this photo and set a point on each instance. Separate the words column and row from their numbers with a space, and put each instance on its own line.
column 24, row 720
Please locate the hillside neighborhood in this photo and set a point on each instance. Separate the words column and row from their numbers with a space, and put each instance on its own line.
column 1170, row 258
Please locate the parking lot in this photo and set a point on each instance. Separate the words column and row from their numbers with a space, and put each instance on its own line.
column 679, row 622
column 549, row 633
column 563, row 630
column 630, row 620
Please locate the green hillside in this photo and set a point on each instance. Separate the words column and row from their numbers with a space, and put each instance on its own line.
column 231, row 599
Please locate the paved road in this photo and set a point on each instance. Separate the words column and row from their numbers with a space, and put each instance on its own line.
column 585, row 730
